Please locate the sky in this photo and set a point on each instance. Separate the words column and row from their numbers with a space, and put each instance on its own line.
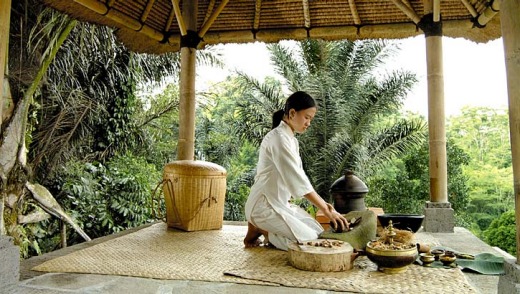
column 474, row 74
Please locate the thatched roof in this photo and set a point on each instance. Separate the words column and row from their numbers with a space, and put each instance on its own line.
column 152, row 26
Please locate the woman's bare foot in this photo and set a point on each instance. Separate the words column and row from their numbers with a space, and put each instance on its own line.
column 253, row 235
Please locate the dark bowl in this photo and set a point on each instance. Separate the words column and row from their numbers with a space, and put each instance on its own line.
column 402, row 221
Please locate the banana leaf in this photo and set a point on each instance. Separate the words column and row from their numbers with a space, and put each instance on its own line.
column 483, row 263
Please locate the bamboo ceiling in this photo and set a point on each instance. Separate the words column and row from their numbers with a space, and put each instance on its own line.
column 152, row 26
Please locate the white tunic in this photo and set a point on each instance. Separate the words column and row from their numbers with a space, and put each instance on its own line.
column 279, row 176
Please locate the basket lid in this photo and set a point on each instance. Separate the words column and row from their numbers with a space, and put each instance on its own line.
column 195, row 168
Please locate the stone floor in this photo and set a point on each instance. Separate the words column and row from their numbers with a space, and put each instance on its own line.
column 41, row 283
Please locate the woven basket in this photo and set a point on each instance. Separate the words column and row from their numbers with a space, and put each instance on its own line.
column 194, row 194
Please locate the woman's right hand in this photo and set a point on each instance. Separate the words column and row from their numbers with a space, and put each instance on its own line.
column 337, row 219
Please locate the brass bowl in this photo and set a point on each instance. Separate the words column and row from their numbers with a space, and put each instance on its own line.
column 447, row 258
column 427, row 258
column 437, row 253
column 391, row 261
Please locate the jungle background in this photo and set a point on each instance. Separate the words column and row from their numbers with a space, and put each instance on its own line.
column 100, row 122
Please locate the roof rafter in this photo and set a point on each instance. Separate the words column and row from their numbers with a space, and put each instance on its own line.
column 470, row 8
column 213, row 16
column 436, row 10
column 178, row 15
column 306, row 14
column 353, row 10
column 407, row 10
column 258, row 8
column 147, row 10
column 121, row 18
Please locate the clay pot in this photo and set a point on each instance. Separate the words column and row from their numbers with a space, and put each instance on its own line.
column 349, row 193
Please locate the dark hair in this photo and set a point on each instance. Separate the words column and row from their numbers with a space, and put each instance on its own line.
column 298, row 100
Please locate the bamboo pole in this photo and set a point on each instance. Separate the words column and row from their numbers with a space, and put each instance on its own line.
column 353, row 11
column 436, row 10
column 180, row 19
column 436, row 117
column 470, row 8
column 488, row 13
column 258, row 7
column 212, row 18
column 186, row 144
column 5, row 15
column 407, row 10
column 511, row 37
column 306, row 14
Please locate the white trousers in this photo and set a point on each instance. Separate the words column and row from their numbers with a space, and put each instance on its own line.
column 284, row 225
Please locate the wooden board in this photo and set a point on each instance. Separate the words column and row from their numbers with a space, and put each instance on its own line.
column 321, row 259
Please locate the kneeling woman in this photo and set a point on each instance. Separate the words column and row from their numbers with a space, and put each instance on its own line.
column 280, row 176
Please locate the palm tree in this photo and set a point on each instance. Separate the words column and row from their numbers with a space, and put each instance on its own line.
column 357, row 126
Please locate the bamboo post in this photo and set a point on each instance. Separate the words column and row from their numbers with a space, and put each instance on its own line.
column 511, row 37
column 436, row 118
column 63, row 234
column 5, row 15
column 186, row 144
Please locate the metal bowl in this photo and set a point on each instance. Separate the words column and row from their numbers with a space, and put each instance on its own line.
column 391, row 261
column 447, row 258
column 427, row 258
column 402, row 221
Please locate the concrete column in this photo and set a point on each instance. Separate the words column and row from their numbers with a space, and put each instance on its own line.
column 439, row 216
column 510, row 22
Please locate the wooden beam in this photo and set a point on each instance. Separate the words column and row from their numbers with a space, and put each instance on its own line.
column 258, row 8
column 407, row 10
column 187, row 103
column 5, row 16
column 214, row 15
column 209, row 10
column 436, row 120
column 510, row 23
column 306, row 14
column 488, row 13
column 354, row 12
column 178, row 15
column 121, row 18
column 470, row 8
column 147, row 10
column 436, row 10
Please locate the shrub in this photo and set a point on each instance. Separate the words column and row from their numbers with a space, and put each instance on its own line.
column 502, row 232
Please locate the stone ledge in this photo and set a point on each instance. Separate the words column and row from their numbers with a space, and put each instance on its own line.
column 10, row 261
column 430, row 204
column 510, row 282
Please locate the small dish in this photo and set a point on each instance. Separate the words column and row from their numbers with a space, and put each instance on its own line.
column 437, row 253
column 447, row 258
column 427, row 258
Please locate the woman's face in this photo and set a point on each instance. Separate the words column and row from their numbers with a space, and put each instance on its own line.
column 301, row 120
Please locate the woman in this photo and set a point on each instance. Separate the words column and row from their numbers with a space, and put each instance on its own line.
column 279, row 177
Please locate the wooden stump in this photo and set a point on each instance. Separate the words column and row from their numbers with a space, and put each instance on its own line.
column 321, row 259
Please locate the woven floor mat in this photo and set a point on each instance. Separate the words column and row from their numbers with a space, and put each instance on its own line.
column 219, row 256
